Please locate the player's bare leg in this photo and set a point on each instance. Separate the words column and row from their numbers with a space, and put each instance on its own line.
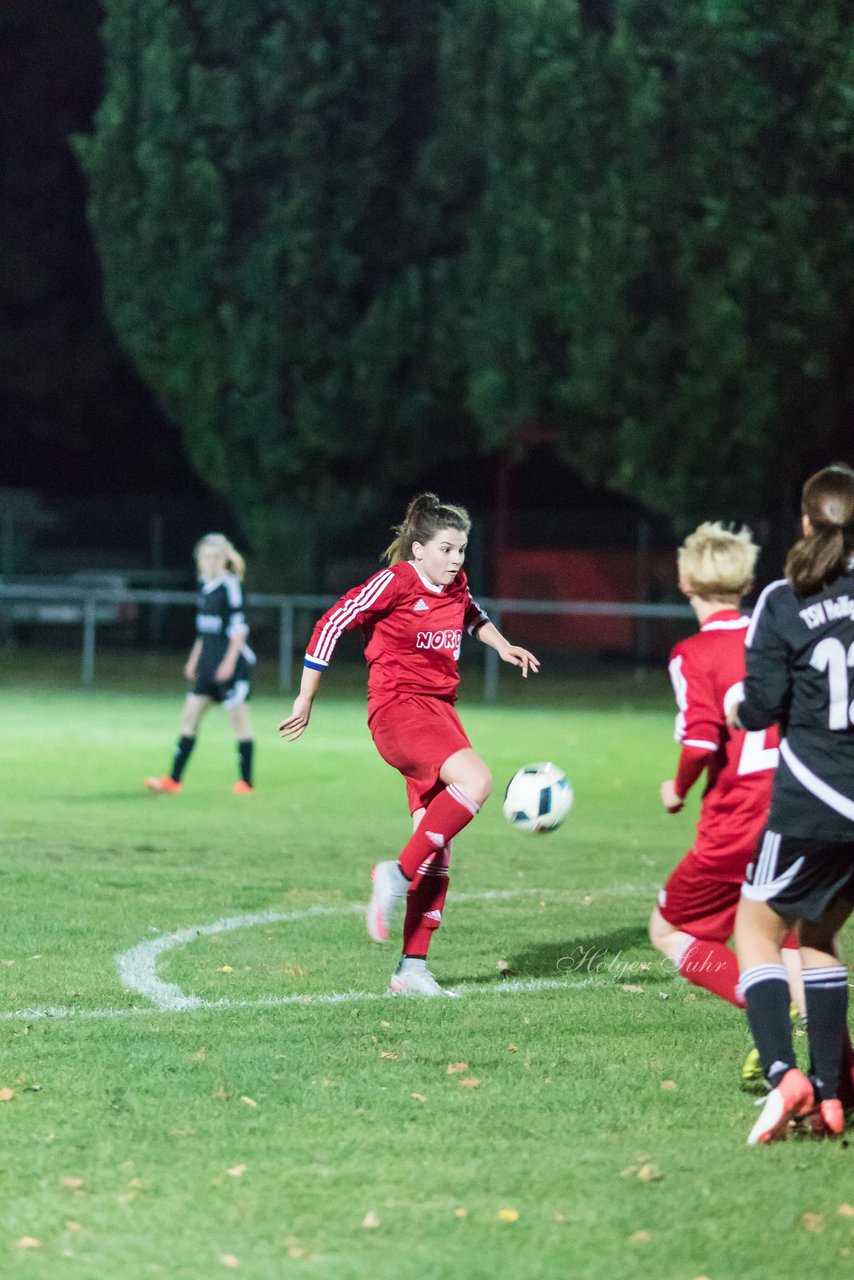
column 195, row 706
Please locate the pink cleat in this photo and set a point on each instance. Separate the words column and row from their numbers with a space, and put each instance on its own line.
column 164, row 786
column 793, row 1097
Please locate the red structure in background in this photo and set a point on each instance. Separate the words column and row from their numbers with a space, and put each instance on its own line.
column 589, row 574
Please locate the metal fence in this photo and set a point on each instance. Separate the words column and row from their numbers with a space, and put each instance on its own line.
column 90, row 607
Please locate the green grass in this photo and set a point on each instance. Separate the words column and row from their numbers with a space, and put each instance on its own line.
column 118, row 1141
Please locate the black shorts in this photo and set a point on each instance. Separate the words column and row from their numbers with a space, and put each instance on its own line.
column 230, row 693
column 800, row 878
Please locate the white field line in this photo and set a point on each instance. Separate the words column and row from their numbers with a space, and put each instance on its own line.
column 137, row 966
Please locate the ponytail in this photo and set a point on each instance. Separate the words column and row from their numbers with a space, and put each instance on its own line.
column 425, row 516
column 823, row 554
column 234, row 561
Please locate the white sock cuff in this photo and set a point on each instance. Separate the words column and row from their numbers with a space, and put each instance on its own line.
column 763, row 973
column 462, row 798
column 682, row 950
column 826, row 976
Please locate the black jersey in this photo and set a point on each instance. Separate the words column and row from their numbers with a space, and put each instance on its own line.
column 800, row 673
column 219, row 616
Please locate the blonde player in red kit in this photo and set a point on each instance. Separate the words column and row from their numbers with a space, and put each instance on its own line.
column 696, row 908
column 413, row 615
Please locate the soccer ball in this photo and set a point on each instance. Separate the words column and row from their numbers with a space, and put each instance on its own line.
column 538, row 798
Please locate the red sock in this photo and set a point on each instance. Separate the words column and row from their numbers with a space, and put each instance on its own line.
column 713, row 966
column 446, row 814
column 424, row 906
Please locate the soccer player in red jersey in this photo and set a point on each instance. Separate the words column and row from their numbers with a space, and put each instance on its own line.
column 695, row 915
column 413, row 615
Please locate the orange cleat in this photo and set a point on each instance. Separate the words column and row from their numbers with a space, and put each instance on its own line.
column 242, row 788
column 793, row 1097
column 164, row 786
column 828, row 1119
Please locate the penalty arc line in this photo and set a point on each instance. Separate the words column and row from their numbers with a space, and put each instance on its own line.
column 137, row 966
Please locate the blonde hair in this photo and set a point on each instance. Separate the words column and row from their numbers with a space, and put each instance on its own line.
column 822, row 555
column 718, row 561
column 234, row 561
column 425, row 516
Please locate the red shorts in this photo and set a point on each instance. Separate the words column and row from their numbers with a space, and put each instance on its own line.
column 701, row 896
column 416, row 734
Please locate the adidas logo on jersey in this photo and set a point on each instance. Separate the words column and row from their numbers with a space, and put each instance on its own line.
column 420, row 606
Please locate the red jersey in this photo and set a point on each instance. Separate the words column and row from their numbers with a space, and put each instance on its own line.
column 707, row 671
column 412, row 628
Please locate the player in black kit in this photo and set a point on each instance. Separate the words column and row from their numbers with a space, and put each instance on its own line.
column 220, row 661
column 800, row 674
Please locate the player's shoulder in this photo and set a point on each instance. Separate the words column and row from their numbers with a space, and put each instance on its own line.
column 775, row 599
column 232, row 586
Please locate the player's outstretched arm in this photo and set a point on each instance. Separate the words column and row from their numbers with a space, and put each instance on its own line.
column 192, row 663
column 506, row 651
column 297, row 722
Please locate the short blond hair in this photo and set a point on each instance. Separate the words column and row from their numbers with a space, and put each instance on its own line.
column 234, row 561
column 718, row 561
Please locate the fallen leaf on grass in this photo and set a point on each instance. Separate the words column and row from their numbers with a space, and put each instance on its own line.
column 469, row 1082
column 628, row 1171
column 221, row 1095
column 73, row 1226
column 649, row 1173
column 383, row 1023
column 507, row 1215
column 73, row 1184
column 559, row 1217
column 28, row 1242
column 631, row 989
column 6, row 1095
column 225, row 968
column 640, row 1237
column 461, row 1212
column 237, row 1170
column 454, row 1068
column 294, row 970
column 250, row 1102
column 669, row 1086
column 329, row 1084
column 229, row 1260
column 181, row 1133
column 505, row 969
column 586, row 900
column 813, row 1222
column 512, row 1048
column 370, row 1219
column 419, row 1097
column 389, row 1055
column 846, row 1210
column 297, row 1251
column 200, row 1054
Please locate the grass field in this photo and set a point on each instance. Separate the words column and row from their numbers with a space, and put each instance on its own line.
column 596, row 1129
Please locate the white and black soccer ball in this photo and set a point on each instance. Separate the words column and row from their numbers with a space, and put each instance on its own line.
column 538, row 798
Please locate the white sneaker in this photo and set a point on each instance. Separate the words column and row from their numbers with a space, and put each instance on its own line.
column 386, row 896
column 418, row 982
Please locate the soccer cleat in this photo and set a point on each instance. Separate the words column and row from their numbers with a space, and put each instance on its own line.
column 242, row 788
column 828, row 1119
column 751, row 1068
column 164, row 786
column 386, row 896
column 793, row 1097
column 418, row 982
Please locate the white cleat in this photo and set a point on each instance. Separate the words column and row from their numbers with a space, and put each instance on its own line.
column 386, row 896
column 418, row 982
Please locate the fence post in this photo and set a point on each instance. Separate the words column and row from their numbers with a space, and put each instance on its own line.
column 491, row 664
column 286, row 645
column 89, row 603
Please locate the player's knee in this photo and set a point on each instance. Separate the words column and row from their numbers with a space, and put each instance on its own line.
column 482, row 785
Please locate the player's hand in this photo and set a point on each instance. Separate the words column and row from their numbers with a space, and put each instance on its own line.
column 732, row 719
column 297, row 721
column 670, row 797
column 520, row 658
column 190, row 671
column 224, row 672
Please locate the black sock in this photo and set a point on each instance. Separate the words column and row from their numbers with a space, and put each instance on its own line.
column 244, row 756
column 827, row 1016
column 183, row 751
column 766, row 993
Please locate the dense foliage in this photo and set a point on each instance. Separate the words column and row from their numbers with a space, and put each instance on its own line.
column 344, row 240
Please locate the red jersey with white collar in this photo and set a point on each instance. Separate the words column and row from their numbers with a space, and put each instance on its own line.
column 707, row 671
column 412, row 628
